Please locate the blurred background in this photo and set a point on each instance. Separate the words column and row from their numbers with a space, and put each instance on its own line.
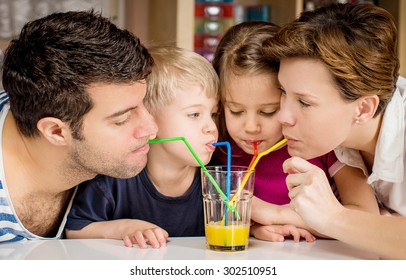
column 193, row 24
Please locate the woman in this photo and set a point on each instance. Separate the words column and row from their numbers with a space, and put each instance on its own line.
column 341, row 90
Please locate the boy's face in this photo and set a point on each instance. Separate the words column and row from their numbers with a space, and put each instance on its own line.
column 116, row 131
column 190, row 114
column 314, row 117
column 250, row 109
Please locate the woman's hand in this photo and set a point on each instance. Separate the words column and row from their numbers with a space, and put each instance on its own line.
column 277, row 233
column 310, row 193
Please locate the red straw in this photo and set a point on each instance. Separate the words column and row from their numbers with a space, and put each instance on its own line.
column 255, row 143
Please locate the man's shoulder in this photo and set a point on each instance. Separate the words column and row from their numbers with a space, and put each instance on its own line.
column 4, row 98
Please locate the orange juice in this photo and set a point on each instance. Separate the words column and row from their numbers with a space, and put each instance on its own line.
column 227, row 238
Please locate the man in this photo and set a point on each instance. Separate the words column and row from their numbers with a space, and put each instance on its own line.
column 73, row 109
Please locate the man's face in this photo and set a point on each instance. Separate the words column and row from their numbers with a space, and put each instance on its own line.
column 115, row 131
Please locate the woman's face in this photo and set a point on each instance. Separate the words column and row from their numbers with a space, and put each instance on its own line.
column 314, row 117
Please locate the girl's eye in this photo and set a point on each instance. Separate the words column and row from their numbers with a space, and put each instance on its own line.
column 236, row 113
column 214, row 115
column 268, row 114
column 193, row 115
column 283, row 92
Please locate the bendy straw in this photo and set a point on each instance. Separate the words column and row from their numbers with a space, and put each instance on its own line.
column 228, row 182
column 255, row 144
column 183, row 139
column 252, row 167
column 160, row 140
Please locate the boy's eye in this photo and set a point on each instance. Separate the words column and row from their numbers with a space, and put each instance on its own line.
column 283, row 92
column 193, row 115
column 214, row 115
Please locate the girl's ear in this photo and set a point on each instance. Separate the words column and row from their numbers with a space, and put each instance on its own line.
column 54, row 130
column 366, row 108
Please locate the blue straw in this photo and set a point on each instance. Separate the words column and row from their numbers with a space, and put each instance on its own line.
column 211, row 179
column 228, row 182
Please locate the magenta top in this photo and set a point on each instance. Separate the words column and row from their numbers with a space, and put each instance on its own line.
column 270, row 180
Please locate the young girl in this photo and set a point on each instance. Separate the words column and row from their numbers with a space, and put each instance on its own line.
column 166, row 197
column 250, row 97
column 342, row 90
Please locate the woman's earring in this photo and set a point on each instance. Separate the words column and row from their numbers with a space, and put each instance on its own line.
column 357, row 121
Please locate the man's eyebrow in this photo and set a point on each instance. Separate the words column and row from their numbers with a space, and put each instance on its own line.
column 119, row 113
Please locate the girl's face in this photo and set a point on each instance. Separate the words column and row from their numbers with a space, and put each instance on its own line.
column 250, row 109
column 314, row 117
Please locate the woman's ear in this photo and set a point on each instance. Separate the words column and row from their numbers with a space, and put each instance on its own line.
column 367, row 106
column 54, row 130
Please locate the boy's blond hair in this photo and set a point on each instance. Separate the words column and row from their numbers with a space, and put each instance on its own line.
column 177, row 68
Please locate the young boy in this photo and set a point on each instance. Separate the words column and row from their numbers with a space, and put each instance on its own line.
column 165, row 198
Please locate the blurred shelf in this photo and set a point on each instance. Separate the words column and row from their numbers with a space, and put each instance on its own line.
column 172, row 21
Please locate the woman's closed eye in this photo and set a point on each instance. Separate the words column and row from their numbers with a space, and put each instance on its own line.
column 304, row 103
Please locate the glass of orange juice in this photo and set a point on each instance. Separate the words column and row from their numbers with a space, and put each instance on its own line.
column 227, row 217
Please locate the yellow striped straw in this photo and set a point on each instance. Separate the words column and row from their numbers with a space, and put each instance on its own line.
column 246, row 177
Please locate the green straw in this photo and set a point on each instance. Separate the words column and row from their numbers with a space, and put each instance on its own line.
column 223, row 196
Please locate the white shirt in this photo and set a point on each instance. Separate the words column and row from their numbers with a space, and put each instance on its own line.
column 388, row 172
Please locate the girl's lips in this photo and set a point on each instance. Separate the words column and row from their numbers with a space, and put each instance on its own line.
column 251, row 142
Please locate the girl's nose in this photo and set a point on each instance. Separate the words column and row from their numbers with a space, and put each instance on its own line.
column 252, row 125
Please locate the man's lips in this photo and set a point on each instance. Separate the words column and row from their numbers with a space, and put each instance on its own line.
column 142, row 149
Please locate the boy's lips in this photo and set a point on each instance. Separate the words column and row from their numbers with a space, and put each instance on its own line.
column 211, row 146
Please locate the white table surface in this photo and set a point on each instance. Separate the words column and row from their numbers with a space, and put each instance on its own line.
column 185, row 248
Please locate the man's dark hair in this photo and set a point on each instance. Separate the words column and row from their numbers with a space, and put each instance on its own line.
column 48, row 69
